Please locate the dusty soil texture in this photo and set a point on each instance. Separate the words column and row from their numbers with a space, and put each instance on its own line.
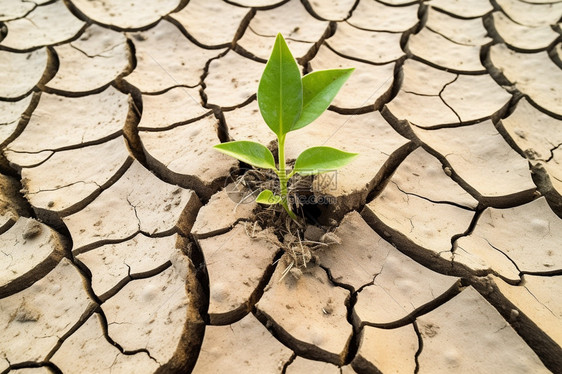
column 128, row 245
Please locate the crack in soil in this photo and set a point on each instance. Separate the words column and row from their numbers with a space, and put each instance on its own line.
column 109, row 339
column 552, row 273
column 191, row 38
column 139, row 223
column 289, row 362
column 433, row 201
column 264, row 7
column 354, row 340
column 32, row 365
column 449, row 70
column 176, row 124
column 310, row 10
column 540, row 302
column 131, row 277
column 447, row 104
column 204, row 99
column 22, row 121
column 61, row 187
column 506, row 256
column 100, row 54
column 192, row 249
column 364, row 61
column 81, row 321
column 546, row 349
column 420, row 346
column 421, row 310
column 552, row 150
column 477, row 213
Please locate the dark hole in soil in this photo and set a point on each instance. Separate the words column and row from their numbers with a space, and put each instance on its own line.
column 250, row 182
column 300, row 240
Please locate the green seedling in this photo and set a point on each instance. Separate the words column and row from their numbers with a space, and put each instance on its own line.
column 289, row 102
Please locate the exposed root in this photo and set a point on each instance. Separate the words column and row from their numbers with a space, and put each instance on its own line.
column 300, row 240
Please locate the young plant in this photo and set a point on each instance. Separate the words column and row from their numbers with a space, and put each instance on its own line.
column 289, row 102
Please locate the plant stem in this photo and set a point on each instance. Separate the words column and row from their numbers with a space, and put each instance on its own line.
column 283, row 179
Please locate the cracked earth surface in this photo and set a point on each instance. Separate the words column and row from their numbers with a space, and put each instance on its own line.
column 121, row 250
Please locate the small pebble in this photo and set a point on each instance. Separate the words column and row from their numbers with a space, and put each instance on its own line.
column 32, row 229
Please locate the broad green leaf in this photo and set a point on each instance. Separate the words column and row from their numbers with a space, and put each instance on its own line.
column 319, row 89
column 317, row 160
column 267, row 197
column 249, row 152
column 280, row 89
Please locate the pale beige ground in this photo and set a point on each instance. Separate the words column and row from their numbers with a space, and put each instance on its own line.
column 122, row 251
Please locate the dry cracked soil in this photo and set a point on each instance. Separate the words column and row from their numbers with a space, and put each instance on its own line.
column 123, row 250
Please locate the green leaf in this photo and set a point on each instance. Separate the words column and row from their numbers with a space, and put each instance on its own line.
column 249, row 152
column 319, row 89
column 317, row 160
column 280, row 89
column 267, row 197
